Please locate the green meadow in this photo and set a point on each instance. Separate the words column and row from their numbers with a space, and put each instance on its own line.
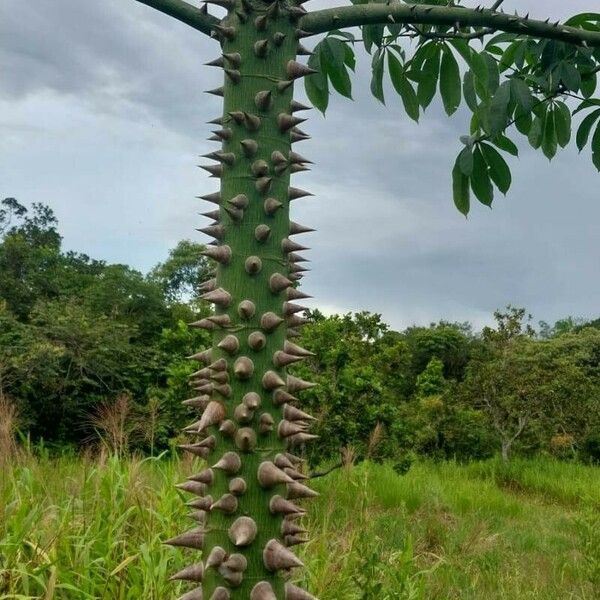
column 90, row 528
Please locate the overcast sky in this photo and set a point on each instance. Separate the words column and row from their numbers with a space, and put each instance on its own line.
column 102, row 117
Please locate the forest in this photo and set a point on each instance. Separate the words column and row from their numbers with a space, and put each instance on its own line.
column 94, row 354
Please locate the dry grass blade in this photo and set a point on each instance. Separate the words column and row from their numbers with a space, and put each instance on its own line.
column 8, row 426
column 114, row 424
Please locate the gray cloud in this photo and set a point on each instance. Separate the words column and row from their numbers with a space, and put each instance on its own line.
column 102, row 116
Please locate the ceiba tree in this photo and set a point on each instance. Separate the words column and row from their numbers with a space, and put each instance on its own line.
column 513, row 71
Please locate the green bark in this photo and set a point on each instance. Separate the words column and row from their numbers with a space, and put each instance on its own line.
column 255, row 258
column 321, row 21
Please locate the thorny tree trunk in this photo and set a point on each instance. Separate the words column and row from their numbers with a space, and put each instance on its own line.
column 247, row 499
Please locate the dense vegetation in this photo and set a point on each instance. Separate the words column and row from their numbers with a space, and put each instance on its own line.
column 89, row 349
column 79, row 529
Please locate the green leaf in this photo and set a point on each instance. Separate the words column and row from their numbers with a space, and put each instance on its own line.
column 493, row 75
column 583, row 18
column 473, row 59
column 460, row 190
column 343, row 34
column 549, row 142
column 521, row 93
column 570, row 76
column 377, row 78
column 403, row 86
column 596, row 148
column 333, row 60
column 505, row 144
column 428, row 78
column 508, row 57
column 536, row 133
column 469, row 91
column 583, row 133
column 465, row 161
column 499, row 108
column 500, row 38
column 523, row 120
column 349, row 57
column 334, row 50
column 551, row 54
column 562, row 121
column 422, row 53
column 478, row 65
column 480, row 180
column 587, row 104
column 499, row 171
column 588, row 85
column 372, row 35
column 316, row 85
column 450, row 81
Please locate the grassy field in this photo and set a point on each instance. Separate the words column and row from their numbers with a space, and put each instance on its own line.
column 90, row 529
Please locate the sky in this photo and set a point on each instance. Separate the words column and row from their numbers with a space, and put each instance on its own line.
column 103, row 117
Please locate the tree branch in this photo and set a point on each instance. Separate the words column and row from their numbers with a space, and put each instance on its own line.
column 325, row 20
column 315, row 474
column 186, row 13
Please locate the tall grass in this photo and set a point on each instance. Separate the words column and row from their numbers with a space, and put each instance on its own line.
column 8, row 427
column 76, row 528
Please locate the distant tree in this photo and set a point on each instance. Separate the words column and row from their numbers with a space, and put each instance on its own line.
column 540, row 387
column 431, row 382
column 182, row 273
column 76, row 332
column 500, row 379
column 9, row 208
column 451, row 343
column 357, row 368
column 562, row 326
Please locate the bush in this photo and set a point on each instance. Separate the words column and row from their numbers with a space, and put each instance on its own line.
column 591, row 448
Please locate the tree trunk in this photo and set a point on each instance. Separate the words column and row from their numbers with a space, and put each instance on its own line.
column 506, row 447
column 246, row 511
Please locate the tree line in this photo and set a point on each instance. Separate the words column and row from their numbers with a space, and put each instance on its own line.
column 94, row 350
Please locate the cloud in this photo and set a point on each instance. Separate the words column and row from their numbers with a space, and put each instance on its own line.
column 103, row 118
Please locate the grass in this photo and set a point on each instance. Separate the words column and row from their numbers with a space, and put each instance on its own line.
column 81, row 528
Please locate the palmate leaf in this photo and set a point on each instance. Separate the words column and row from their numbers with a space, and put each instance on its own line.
column 514, row 81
